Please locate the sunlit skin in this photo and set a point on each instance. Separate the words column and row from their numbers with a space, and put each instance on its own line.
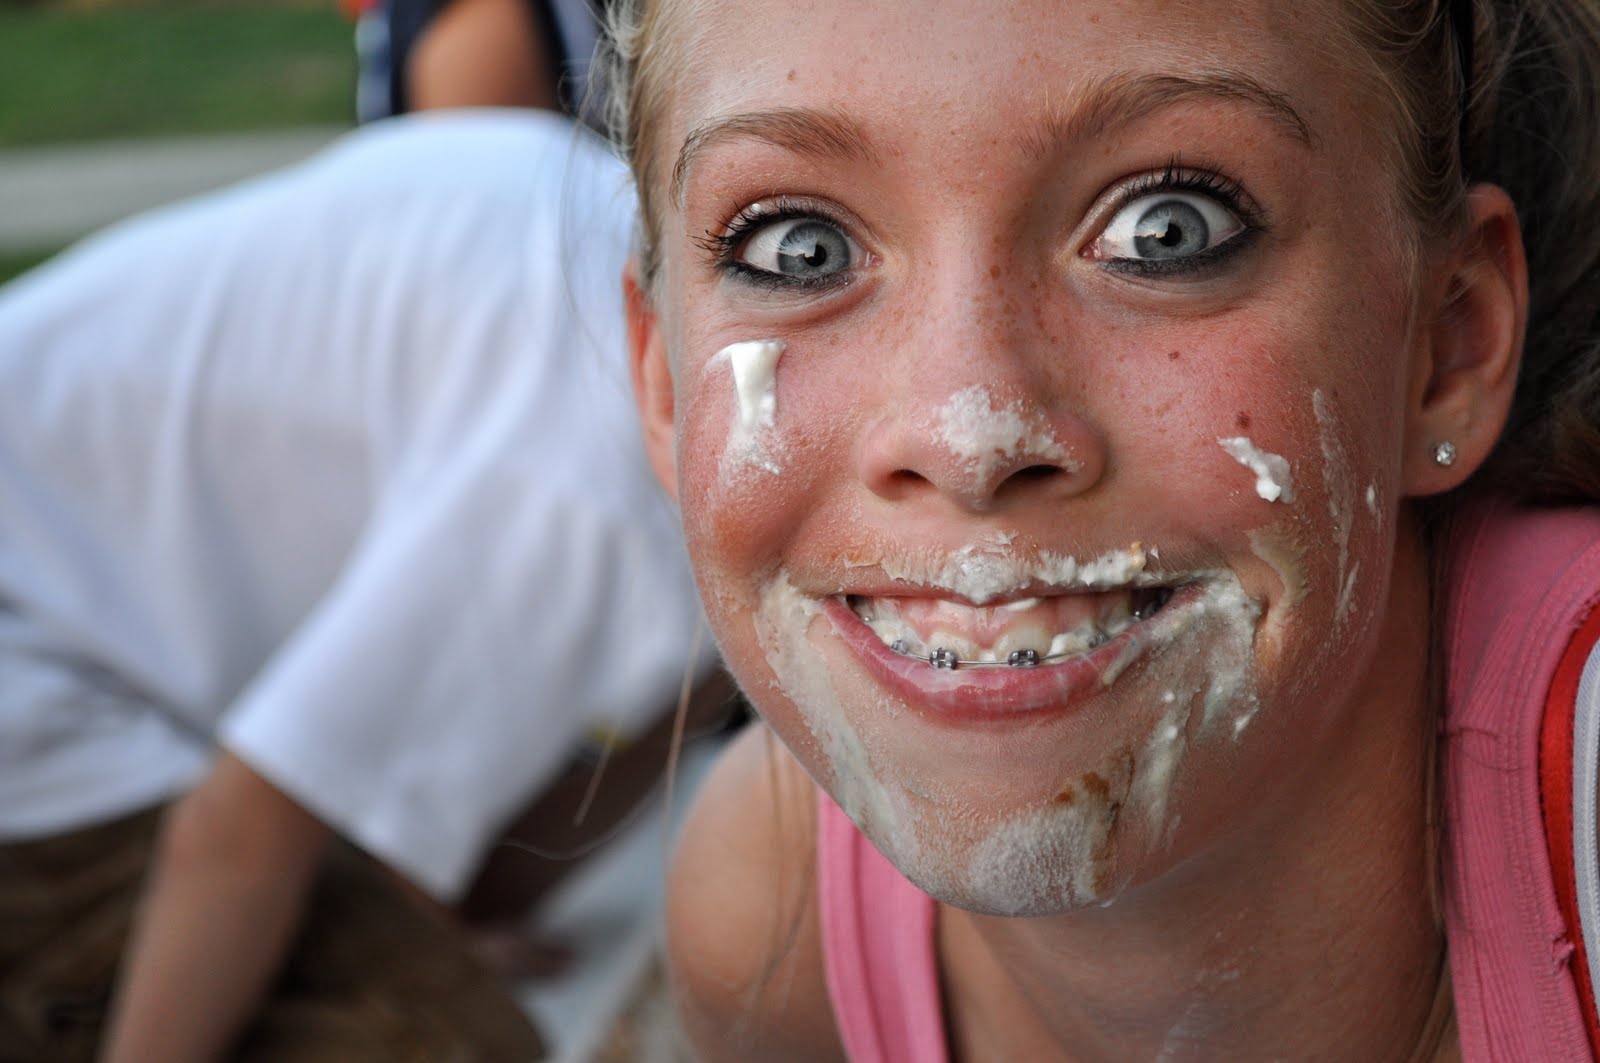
column 979, row 162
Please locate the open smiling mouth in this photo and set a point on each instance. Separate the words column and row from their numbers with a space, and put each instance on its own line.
column 1020, row 633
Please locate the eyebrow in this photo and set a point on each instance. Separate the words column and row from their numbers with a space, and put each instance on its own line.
column 1122, row 100
column 819, row 134
column 1093, row 113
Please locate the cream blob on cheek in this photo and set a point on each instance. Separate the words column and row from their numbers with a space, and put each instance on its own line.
column 752, row 442
column 755, row 369
column 986, row 437
column 1273, row 480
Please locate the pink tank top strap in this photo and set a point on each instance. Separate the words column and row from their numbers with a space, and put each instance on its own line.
column 1518, row 585
column 878, row 947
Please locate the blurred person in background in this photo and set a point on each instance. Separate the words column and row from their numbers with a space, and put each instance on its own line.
column 322, row 517
column 419, row 55
column 324, row 542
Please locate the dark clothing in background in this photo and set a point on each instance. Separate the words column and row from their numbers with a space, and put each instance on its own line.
column 372, row 978
column 568, row 28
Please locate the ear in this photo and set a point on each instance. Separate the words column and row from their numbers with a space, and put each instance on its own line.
column 1470, row 348
column 652, row 379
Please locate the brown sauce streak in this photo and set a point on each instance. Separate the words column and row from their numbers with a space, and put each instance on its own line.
column 1104, row 857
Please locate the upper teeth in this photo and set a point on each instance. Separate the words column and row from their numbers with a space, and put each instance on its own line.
column 1021, row 644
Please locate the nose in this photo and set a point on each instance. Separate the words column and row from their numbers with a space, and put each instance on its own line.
column 982, row 448
column 974, row 399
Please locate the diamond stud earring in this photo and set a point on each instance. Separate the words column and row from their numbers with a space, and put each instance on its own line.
column 1444, row 454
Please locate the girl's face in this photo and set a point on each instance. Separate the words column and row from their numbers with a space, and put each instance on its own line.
column 1070, row 331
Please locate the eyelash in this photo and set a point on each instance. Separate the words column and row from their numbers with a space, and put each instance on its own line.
column 1176, row 177
column 724, row 247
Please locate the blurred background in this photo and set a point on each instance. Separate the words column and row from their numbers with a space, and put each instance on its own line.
column 111, row 106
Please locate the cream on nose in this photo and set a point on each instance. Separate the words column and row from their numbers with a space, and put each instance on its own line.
column 981, row 450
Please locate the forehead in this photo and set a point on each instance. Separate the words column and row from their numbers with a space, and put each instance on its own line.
column 904, row 73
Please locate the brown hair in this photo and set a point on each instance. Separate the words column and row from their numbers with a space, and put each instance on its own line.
column 1525, row 117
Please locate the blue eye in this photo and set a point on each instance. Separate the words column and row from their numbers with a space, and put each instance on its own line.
column 805, row 249
column 1167, row 227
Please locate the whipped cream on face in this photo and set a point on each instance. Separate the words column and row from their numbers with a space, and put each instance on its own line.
column 783, row 623
column 753, row 364
column 1163, row 753
column 1336, row 480
column 1053, row 854
column 987, row 437
column 755, row 368
column 982, row 572
column 1230, row 694
column 1282, row 551
column 1071, row 620
column 1287, row 559
column 1273, row 481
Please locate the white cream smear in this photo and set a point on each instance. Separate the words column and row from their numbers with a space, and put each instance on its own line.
column 1273, row 481
column 1336, row 480
column 753, row 365
column 985, row 570
column 986, row 437
column 1287, row 561
column 1053, row 855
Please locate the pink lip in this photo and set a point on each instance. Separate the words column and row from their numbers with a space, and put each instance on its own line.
column 978, row 696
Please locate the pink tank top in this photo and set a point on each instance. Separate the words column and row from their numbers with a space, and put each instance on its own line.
column 1519, row 585
column 1522, row 583
column 880, row 961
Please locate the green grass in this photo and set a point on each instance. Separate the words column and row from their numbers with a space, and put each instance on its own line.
column 92, row 73
column 16, row 263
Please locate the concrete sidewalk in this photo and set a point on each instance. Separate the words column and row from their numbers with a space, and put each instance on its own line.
column 53, row 195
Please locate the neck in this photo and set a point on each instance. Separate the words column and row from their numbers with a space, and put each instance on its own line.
column 1311, row 925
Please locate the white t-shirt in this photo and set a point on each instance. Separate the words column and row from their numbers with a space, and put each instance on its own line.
column 338, row 468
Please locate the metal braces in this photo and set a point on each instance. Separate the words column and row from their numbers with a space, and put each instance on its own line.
column 945, row 658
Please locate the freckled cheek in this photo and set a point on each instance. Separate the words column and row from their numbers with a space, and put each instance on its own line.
column 738, row 515
column 1168, row 460
column 727, row 520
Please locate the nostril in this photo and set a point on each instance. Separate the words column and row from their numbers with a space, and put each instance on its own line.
column 1036, row 473
column 1009, row 453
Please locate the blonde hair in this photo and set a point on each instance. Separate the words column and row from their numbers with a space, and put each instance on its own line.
column 637, row 78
